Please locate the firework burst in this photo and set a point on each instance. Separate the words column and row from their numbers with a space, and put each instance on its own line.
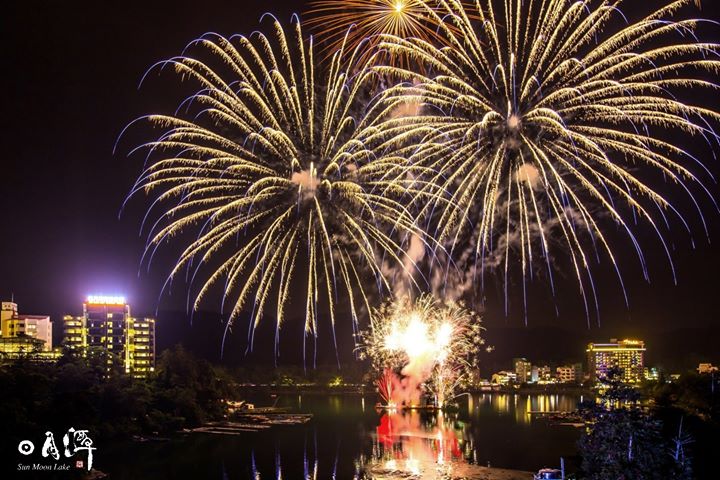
column 270, row 167
column 433, row 344
column 544, row 118
column 362, row 21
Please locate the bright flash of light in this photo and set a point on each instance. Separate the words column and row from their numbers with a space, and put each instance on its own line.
column 415, row 338
column 433, row 342
column 547, row 126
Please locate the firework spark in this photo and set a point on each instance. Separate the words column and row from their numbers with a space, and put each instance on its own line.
column 270, row 165
column 363, row 20
column 544, row 118
column 433, row 344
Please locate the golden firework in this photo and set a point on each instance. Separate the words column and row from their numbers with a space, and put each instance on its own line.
column 552, row 120
column 360, row 22
column 269, row 166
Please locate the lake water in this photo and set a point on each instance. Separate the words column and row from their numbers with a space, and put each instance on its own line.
column 347, row 437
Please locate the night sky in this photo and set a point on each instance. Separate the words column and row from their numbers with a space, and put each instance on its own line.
column 70, row 77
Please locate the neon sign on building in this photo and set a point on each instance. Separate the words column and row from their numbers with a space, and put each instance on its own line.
column 105, row 300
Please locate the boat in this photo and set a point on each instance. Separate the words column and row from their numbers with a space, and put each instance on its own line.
column 549, row 474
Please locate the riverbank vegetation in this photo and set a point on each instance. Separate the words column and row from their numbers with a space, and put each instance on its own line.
column 78, row 392
column 670, row 435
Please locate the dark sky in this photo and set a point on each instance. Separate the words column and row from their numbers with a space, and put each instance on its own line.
column 70, row 72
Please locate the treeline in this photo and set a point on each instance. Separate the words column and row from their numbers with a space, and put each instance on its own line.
column 674, row 436
column 293, row 375
column 78, row 392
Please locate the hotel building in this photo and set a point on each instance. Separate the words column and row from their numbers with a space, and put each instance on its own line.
column 106, row 326
column 626, row 355
column 25, row 335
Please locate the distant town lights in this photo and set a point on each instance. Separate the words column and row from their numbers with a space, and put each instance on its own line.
column 105, row 300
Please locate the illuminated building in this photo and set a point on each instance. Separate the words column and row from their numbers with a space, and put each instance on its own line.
column 9, row 310
column 626, row 355
column 14, row 347
column 569, row 373
column 523, row 370
column 652, row 374
column 34, row 326
column 106, row 326
column 25, row 335
column 503, row 378
column 544, row 374
column 706, row 368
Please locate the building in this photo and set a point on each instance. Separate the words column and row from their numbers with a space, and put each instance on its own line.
column 25, row 335
column 35, row 326
column 9, row 310
column 107, row 327
column 523, row 370
column 706, row 368
column 544, row 374
column 17, row 347
column 503, row 378
column 652, row 374
column 569, row 373
column 625, row 355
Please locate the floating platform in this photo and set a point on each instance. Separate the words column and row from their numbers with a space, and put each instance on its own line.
column 253, row 423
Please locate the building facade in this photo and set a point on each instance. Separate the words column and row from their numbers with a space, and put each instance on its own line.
column 544, row 374
column 523, row 370
column 35, row 326
column 503, row 378
column 626, row 355
column 569, row 373
column 25, row 335
column 107, row 327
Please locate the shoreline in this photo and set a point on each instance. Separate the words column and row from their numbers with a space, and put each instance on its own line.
column 370, row 390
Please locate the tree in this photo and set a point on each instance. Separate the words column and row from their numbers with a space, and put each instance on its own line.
column 623, row 441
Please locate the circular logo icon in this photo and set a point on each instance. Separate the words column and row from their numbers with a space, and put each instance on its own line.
column 26, row 447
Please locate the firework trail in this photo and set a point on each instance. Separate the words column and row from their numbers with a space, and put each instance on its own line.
column 545, row 120
column 270, row 164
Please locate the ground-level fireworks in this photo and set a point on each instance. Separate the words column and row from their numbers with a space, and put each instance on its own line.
column 424, row 349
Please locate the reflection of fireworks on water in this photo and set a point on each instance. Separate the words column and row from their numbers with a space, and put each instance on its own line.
column 433, row 344
column 409, row 444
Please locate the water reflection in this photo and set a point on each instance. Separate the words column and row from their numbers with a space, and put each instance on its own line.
column 524, row 408
column 411, row 443
column 348, row 439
